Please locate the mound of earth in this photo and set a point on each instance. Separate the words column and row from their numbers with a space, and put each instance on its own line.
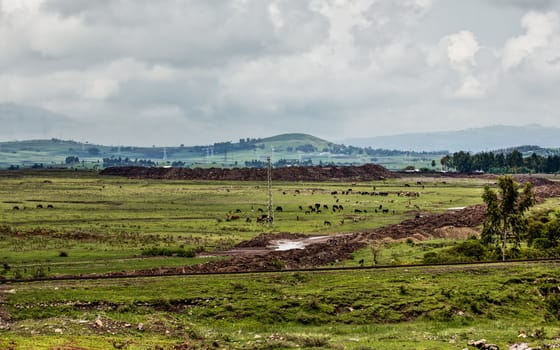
column 366, row 172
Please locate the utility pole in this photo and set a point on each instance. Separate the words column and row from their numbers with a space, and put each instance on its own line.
column 269, row 187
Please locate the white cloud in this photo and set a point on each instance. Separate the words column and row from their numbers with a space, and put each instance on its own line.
column 541, row 29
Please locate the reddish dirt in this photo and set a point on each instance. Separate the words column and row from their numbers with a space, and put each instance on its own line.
column 366, row 172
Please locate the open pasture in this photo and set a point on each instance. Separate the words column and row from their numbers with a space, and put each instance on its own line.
column 80, row 222
column 105, row 224
column 428, row 308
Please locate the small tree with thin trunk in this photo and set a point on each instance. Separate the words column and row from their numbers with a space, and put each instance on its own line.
column 505, row 213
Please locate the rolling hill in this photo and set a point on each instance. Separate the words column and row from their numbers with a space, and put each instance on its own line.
column 473, row 140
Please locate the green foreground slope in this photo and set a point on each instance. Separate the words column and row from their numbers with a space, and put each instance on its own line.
column 428, row 308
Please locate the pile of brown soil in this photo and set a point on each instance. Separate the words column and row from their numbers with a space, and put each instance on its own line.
column 366, row 172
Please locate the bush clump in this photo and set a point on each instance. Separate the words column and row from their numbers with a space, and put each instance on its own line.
column 161, row 251
column 471, row 250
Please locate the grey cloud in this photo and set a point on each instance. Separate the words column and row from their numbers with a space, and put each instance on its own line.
column 198, row 32
column 528, row 4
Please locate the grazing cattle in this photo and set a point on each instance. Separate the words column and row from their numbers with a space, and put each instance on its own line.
column 300, row 208
column 50, row 206
column 264, row 219
column 297, row 191
column 307, row 212
column 284, row 192
column 317, row 206
column 340, row 207
column 260, row 210
column 334, row 193
column 385, row 211
column 361, row 262
column 233, row 217
column 335, row 207
column 279, row 209
column 248, row 219
column 383, row 194
column 318, row 211
column 327, row 223
column 409, row 194
column 39, row 206
column 238, row 210
column 380, row 206
column 15, row 207
column 357, row 211
column 325, row 206
column 406, row 185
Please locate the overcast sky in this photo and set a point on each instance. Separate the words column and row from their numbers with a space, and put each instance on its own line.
column 166, row 72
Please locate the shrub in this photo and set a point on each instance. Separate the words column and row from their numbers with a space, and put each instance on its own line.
column 63, row 254
column 466, row 251
column 160, row 251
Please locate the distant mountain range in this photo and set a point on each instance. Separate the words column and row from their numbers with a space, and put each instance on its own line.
column 473, row 140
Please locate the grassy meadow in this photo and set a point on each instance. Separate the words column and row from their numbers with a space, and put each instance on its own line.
column 429, row 308
column 100, row 224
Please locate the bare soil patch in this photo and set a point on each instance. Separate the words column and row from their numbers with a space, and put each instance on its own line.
column 366, row 172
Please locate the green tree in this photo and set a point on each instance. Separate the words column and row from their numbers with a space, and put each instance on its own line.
column 505, row 212
column 445, row 162
column 462, row 161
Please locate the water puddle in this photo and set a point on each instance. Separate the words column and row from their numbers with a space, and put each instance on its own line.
column 283, row 245
column 456, row 208
column 289, row 245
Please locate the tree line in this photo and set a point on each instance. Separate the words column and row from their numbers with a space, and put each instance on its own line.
column 512, row 162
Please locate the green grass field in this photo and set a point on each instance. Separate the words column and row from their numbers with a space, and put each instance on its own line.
column 103, row 224
column 429, row 308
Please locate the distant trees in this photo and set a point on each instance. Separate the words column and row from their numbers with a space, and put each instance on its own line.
column 71, row 160
column 512, row 162
column 109, row 162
